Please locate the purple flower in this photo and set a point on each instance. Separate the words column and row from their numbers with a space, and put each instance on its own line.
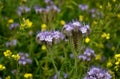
column 49, row 37
column 83, row 7
column 14, row 25
column 11, row 43
column 97, row 73
column 88, row 55
column 24, row 59
column 23, row 9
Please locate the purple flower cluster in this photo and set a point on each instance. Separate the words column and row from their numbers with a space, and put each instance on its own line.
column 97, row 73
column 88, row 55
column 76, row 27
column 49, row 37
column 23, row 9
column 24, row 59
column 11, row 43
column 83, row 7
column 50, row 7
column 14, row 26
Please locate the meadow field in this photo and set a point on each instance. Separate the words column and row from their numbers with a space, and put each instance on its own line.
column 59, row 39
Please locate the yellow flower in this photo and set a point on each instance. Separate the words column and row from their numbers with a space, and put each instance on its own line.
column 26, row 24
column 16, row 57
column 43, row 27
column 28, row 75
column 7, row 53
column 103, row 35
column 100, row 6
column 114, row 0
column 81, row 18
column 43, row 47
column 98, row 57
column 94, row 22
column 109, row 64
column 2, row 67
column 117, row 63
column 8, row 77
column 118, row 15
column 87, row 40
column 117, row 56
column 116, row 68
column 10, row 21
column 62, row 22
column 107, row 36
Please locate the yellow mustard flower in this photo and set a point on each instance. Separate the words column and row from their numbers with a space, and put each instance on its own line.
column 62, row 22
column 109, row 64
column 28, row 75
column 87, row 40
column 117, row 63
column 98, row 57
column 100, row 6
column 43, row 47
column 2, row 67
column 106, row 35
column 8, row 77
column 117, row 56
column 43, row 27
column 16, row 57
column 26, row 24
column 81, row 18
column 103, row 35
column 7, row 53
column 10, row 21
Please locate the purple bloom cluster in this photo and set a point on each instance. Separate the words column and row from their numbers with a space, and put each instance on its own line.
column 49, row 37
column 24, row 59
column 97, row 73
column 14, row 25
column 11, row 43
column 83, row 7
column 76, row 27
column 50, row 7
column 88, row 55
column 23, row 9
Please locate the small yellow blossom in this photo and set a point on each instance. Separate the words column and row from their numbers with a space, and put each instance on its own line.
column 117, row 56
column 113, row 48
column 26, row 24
column 118, row 15
column 62, row 22
column 87, row 40
column 106, row 35
column 43, row 47
column 81, row 18
column 94, row 22
column 10, row 21
column 7, row 53
column 116, row 68
column 2, row 67
column 8, row 77
column 117, row 63
column 103, row 35
column 98, row 57
column 109, row 64
column 100, row 6
column 16, row 57
column 114, row 0
column 28, row 75
column 43, row 27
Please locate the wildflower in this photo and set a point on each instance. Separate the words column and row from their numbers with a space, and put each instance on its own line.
column 81, row 18
column 23, row 9
column 98, row 57
column 43, row 27
column 8, row 77
column 87, row 40
column 100, row 6
column 88, row 55
column 24, row 59
column 117, row 56
column 28, row 75
column 106, row 35
column 14, row 26
column 62, row 22
column 94, row 22
column 2, row 67
column 11, row 43
column 97, row 73
column 114, row 0
column 26, row 24
column 118, row 15
column 109, row 64
column 43, row 47
column 83, row 7
column 10, row 21
column 7, row 53
column 16, row 57
column 49, row 37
